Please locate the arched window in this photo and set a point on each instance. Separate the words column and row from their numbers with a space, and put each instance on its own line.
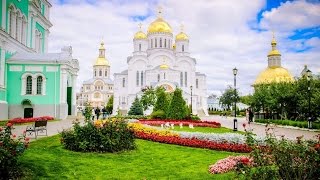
column 39, row 84
column 139, row 47
column 165, row 43
column 164, row 75
column 123, row 82
column 100, row 73
column 97, row 95
column 182, row 48
column 181, row 79
column 158, row 77
column 18, row 26
column 12, row 26
column 185, row 78
column 155, row 40
column 95, row 73
column 24, row 31
column 29, row 85
column 137, row 78
column 160, row 42
column 141, row 78
column 106, row 73
column 151, row 43
column 197, row 83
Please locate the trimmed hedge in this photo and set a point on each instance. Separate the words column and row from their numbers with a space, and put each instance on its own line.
column 300, row 124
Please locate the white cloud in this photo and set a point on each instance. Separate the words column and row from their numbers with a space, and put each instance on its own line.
column 220, row 37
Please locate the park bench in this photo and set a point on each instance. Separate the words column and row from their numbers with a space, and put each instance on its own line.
column 36, row 127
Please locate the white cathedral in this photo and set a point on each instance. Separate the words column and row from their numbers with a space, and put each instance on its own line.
column 160, row 60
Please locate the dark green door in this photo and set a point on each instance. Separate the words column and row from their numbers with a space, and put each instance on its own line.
column 28, row 113
column 69, row 99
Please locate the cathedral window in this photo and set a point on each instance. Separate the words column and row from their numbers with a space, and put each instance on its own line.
column 160, row 43
column 106, row 73
column 39, row 84
column 181, row 79
column 12, row 26
column 151, row 43
column 185, row 79
column 165, row 43
column 164, row 75
column 100, row 73
column 158, row 77
column 141, row 78
column 139, row 47
column 29, row 85
column 24, row 31
column 95, row 73
column 123, row 82
column 182, row 48
column 155, row 42
column 197, row 83
column 137, row 78
column 18, row 26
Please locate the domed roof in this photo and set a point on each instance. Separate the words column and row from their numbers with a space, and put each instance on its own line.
column 276, row 74
column 140, row 35
column 159, row 25
column 274, row 53
column 101, row 60
column 182, row 36
column 164, row 66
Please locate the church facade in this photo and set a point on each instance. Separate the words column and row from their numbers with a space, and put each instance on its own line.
column 159, row 59
column 99, row 89
column 33, row 82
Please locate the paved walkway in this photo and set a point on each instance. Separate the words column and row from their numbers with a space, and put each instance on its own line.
column 259, row 129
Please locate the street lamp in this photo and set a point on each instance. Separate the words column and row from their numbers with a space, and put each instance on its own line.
column 191, row 99
column 235, row 122
column 309, row 74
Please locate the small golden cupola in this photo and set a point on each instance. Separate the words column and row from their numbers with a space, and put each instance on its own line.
column 159, row 25
column 274, row 51
column 101, row 60
column 140, row 35
column 182, row 36
column 164, row 65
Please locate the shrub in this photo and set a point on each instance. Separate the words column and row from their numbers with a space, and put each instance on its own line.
column 158, row 114
column 177, row 108
column 136, row 108
column 103, row 136
column 10, row 150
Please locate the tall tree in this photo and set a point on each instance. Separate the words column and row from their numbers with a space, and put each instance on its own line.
column 177, row 108
column 136, row 108
column 228, row 97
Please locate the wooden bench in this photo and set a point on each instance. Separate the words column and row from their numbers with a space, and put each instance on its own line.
column 36, row 127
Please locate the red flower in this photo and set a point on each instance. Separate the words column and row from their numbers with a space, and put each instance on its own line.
column 317, row 146
column 245, row 160
column 27, row 139
column 14, row 136
column 0, row 129
column 244, row 125
column 9, row 124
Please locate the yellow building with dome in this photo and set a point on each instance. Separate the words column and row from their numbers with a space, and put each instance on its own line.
column 274, row 72
column 99, row 88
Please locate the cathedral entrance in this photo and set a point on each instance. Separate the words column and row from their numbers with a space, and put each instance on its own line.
column 28, row 113
column 167, row 86
column 69, row 99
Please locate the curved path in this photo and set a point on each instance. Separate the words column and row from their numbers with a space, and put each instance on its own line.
column 259, row 129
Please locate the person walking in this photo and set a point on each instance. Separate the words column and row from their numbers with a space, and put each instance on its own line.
column 104, row 112
column 97, row 111
column 92, row 114
column 250, row 116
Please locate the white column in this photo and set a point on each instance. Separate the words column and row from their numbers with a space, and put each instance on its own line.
column 4, row 14
column 63, row 86
column 33, row 33
column 46, row 34
column 73, row 101
column 29, row 31
column 2, row 65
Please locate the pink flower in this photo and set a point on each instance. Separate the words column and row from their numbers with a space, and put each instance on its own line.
column 9, row 124
column 14, row 136
column 27, row 139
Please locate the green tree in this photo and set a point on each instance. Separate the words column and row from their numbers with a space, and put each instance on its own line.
column 109, row 106
column 136, row 108
column 248, row 99
column 162, row 104
column 87, row 111
column 228, row 97
column 177, row 108
column 149, row 97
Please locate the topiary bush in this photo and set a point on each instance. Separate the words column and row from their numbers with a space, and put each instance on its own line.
column 101, row 136
column 11, row 148
column 158, row 114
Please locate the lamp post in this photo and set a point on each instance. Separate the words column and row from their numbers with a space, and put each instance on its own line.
column 235, row 122
column 309, row 74
column 191, row 98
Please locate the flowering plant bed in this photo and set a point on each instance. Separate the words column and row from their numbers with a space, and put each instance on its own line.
column 157, row 122
column 27, row 120
column 165, row 136
column 230, row 163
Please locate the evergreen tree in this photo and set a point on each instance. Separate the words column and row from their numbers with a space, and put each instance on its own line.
column 162, row 104
column 109, row 106
column 177, row 108
column 136, row 108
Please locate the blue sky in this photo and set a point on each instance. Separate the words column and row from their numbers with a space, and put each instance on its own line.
column 223, row 33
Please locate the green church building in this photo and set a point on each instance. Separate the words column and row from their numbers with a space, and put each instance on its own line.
column 33, row 82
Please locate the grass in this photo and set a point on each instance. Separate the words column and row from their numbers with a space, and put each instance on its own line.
column 206, row 129
column 47, row 159
column 300, row 124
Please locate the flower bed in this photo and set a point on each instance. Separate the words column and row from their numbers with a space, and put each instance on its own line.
column 157, row 122
column 26, row 120
column 164, row 136
column 228, row 164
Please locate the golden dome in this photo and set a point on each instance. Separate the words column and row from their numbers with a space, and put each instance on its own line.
column 274, row 53
column 140, row 35
column 164, row 66
column 159, row 25
column 102, row 62
column 276, row 74
column 182, row 36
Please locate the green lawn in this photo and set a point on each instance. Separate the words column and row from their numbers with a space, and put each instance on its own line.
column 46, row 159
column 206, row 129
